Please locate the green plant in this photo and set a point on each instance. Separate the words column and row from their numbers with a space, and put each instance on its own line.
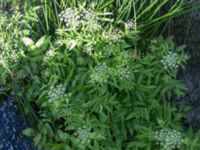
column 94, row 81
column 115, row 100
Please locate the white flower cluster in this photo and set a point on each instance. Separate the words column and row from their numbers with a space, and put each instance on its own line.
column 83, row 135
column 50, row 54
column 93, row 25
column 9, row 50
column 56, row 93
column 46, row 73
column 70, row 43
column 13, row 56
column 170, row 61
column 70, row 18
column 125, row 57
column 130, row 24
column 74, row 19
column 112, row 36
column 89, row 19
column 88, row 48
column 99, row 74
column 123, row 72
column 115, row 35
column 108, row 50
column 86, row 15
column 169, row 140
column 9, row 56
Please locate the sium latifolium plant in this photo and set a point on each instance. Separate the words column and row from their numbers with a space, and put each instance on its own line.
column 93, row 86
column 99, row 92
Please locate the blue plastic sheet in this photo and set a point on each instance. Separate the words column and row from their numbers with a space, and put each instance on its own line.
column 11, row 127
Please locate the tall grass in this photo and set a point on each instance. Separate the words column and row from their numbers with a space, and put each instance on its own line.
column 149, row 14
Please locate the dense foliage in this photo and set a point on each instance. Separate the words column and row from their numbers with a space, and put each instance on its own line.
column 95, row 76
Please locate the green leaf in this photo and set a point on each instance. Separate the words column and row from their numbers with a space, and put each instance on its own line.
column 181, row 48
column 37, row 139
column 43, row 130
column 40, row 42
column 49, row 130
column 27, row 41
column 62, row 135
column 59, row 147
column 28, row 132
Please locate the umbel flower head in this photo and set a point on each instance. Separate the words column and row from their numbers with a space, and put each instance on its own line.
column 90, row 20
column 171, row 61
column 130, row 24
column 100, row 74
column 9, row 50
column 46, row 73
column 9, row 56
column 70, row 18
column 115, row 35
column 50, row 54
column 83, row 135
column 76, row 18
column 56, row 93
column 123, row 72
column 88, row 48
column 169, row 140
